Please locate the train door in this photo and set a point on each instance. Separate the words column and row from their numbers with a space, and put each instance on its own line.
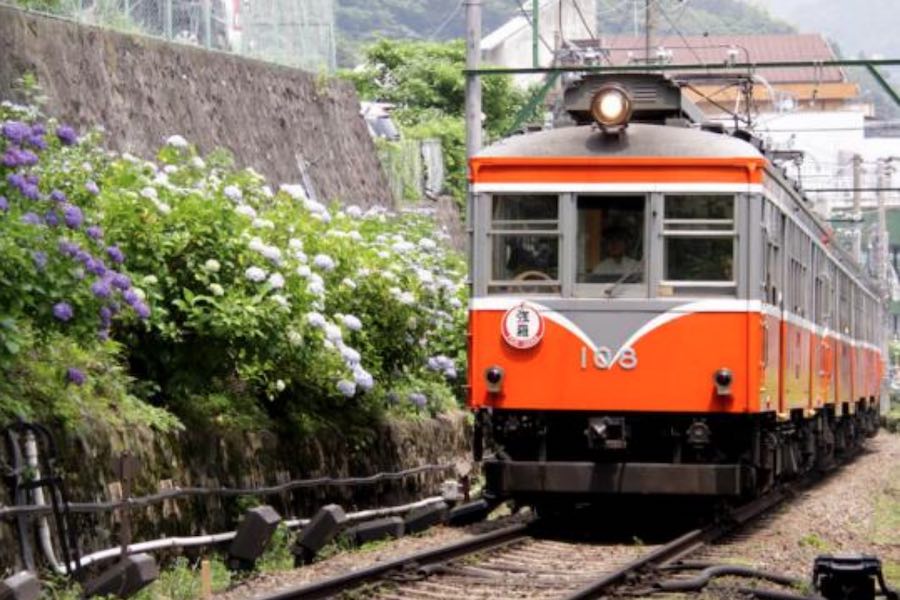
column 822, row 355
column 844, row 387
column 772, row 312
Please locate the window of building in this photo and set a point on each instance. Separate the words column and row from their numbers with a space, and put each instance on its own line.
column 699, row 233
column 610, row 240
column 524, row 244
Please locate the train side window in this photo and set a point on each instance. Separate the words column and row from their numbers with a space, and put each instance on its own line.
column 525, row 240
column 699, row 233
column 610, row 239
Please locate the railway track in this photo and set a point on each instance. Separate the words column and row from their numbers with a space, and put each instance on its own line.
column 522, row 561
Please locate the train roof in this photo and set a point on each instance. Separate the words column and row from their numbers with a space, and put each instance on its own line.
column 638, row 140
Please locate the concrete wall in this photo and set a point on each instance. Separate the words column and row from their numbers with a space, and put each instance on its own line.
column 141, row 90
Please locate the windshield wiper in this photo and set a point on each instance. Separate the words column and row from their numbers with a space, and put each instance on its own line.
column 608, row 292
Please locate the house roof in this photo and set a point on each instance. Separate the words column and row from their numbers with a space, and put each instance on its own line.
column 712, row 49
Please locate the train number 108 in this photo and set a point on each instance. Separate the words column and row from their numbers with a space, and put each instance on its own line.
column 605, row 359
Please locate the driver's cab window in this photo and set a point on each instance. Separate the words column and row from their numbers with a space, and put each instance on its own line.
column 524, row 244
column 611, row 242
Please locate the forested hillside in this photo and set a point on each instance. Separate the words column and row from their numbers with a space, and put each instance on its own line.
column 361, row 21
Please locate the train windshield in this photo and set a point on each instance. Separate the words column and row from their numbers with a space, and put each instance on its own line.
column 611, row 239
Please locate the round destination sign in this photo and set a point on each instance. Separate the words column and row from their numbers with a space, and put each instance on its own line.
column 522, row 326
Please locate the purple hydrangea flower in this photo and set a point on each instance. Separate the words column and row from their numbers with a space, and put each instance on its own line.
column 121, row 281
column 103, row 334
column 101, row 289
column 31, row 219
column 38, row 129
column 15, row 131
column 67, row 248
column 72, row 216
column 131, row 297
column 91, row 187
column 141, row 308
column 10, row 158
column 96, row 267
column 40, row 259
column 66, row 135
column 37, row 141
column 105, row 315
column 32, row 179
column 75, row 376
column 27, row 158
column 418, row 399
column 63, row 311
column 94, row 232
column 16, row 180
column 115, row 255
column 83, row 256
column 51, row 218
column 4, row 204
column 58, row 196
column 30, row 191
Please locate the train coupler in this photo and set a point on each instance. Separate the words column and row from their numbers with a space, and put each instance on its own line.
column 852, row 576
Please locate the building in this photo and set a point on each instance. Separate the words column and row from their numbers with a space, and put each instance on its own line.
column 511, row 45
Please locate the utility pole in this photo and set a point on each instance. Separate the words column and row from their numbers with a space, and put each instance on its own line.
column 857, row 208
column 884, row 170
column 535, row 33
column 648, row 28
column 473, row 113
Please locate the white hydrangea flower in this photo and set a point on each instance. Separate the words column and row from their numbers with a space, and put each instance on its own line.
column 355, row 236
column 353, row 211
column 149, row 193
column 271, row 253
column 212, row 266
column 256, row 244
column 295, row 339
column 262, row 224
column 245, row 210
column 383, row 254
column 316, row 319
column 304, row 271
column 170, row 169
column 323, row 261
column 407, row 298
column 347, row 388
column 316, row 278
column 427, row 244
column 350, row 355
column 316, row 288
column 233, row 193
column 279, row 385
column 255, row 274
column 424, row 275
column 301, row 257
column 162, row 179
column 280, row 300
column 216, row 289
column 333, row 332
column 403, row 247
column 198, row 163
column 267, row 191
column 276, row 281
column 351, row 322
column 363, row 379
column 294, row 190
column 450, row 373
column 347, row 282
column 363, row 272
column 177, row 141
column 140, row 293
column 456, row 302
column 295, row 244
column 163, row 208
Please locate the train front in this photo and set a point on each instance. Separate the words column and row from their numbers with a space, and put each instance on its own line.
column 610, row 320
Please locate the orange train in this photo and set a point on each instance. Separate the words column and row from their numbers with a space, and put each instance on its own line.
column 656, row 310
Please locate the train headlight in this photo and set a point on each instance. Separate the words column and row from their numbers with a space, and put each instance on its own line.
column 493, row 376
column 611, row 107
column 723, row 379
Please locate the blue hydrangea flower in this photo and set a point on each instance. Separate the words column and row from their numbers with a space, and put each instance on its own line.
column 91, row 187
column 67, row 248
column 30, row 191
column 73, row 216
column 142, row 310
column 30, row 218
column 63, row 311
column 94, row 232
column 58, row 196
column 16, row 180
column 38, row 129
column 66, row 135
column 4, row 204
column 51, row 218
column 105, row 315
column 419, row 400
column 346, row 388
column 131, row 297
column 37, row 141
column 115, row 254
column 96, row 267
column 75, row 376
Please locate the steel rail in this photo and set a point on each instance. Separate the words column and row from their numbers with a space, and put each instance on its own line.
column 683, row 545
column 335, row 585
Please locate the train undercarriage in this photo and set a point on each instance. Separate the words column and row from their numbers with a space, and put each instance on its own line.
column 534, row 457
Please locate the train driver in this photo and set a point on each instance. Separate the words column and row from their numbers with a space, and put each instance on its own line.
column 614, row 260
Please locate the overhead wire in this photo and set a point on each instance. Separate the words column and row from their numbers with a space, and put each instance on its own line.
column 446, row 20
column 528, row 20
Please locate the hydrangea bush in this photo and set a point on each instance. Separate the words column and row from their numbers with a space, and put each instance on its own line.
column 220, row 297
